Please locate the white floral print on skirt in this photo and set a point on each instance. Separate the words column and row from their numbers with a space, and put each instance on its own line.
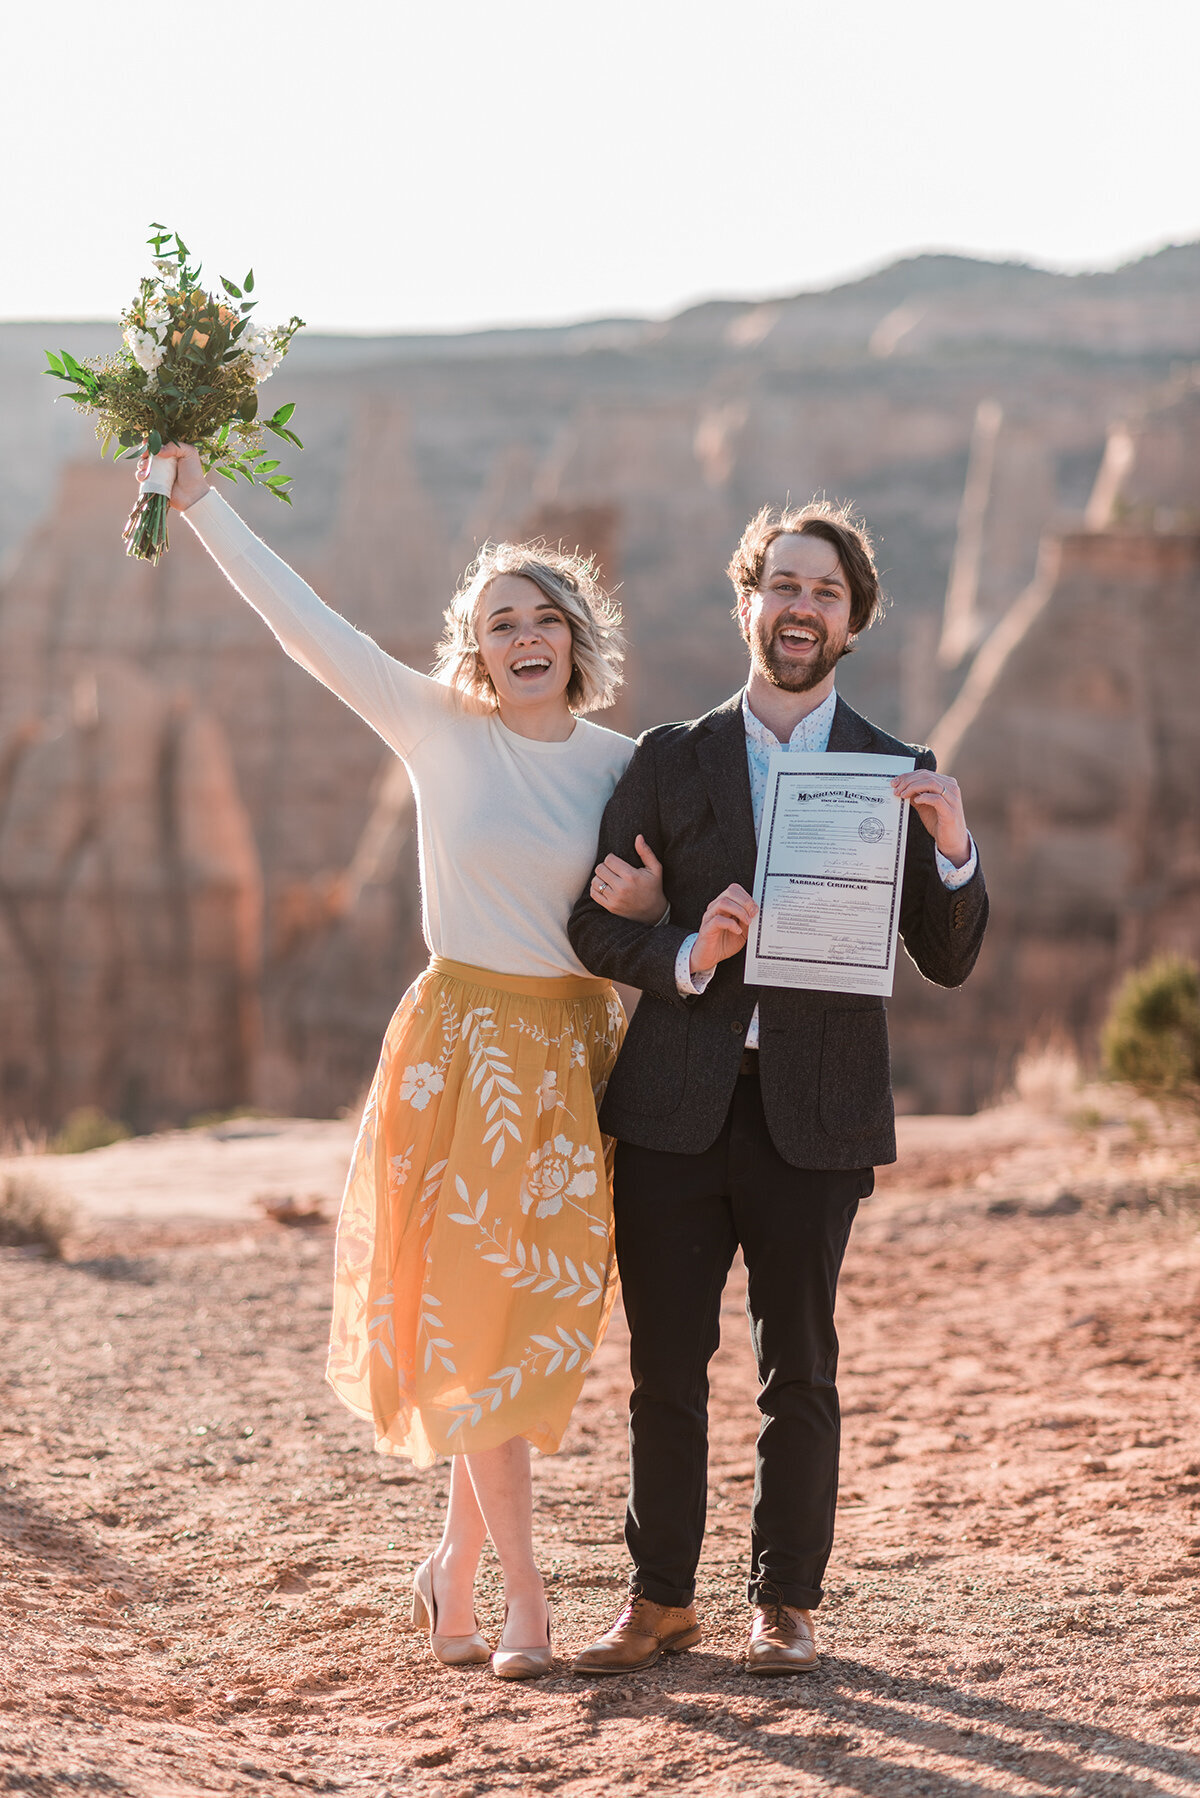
column 475, row 1272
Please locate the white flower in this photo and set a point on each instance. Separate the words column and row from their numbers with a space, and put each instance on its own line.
column 264, row 361
column 419, row 1084
column 261, row 345
column 167, row 267
column 547, row 1093
column 144, row 347
column 157, row 316
column 556, row 1171
column 584, row 1183
column 401, row 1166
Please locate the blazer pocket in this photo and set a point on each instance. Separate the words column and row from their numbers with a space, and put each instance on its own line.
column 855, row 1088
column 650, row 1069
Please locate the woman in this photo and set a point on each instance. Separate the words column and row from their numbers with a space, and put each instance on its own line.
column 474, row 1265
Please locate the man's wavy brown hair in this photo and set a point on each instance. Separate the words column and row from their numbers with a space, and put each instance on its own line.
column 836, row 524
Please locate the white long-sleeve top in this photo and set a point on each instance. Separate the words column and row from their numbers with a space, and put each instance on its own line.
column 507, row 825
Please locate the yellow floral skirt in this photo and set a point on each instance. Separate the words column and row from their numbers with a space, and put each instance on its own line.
column 475, row 1271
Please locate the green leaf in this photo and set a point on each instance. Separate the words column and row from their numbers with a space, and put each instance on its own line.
column 156, row 443
column 267, row 467
column 225, row 475
column 281, row 414
column 249, row 282
column 248, row 410
column 56, row 367
column 231, row 288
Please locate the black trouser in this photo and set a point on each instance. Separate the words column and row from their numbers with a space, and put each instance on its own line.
column 679, row 1221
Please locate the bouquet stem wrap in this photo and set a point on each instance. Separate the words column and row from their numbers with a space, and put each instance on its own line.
column 146, row 528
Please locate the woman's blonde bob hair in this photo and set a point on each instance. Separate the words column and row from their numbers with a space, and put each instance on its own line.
column 598, row 643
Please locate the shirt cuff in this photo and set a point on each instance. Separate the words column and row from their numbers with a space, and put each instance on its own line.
column 952, row 878
column 687, row 983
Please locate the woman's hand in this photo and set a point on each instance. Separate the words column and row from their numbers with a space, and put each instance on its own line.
column 190, row 483
column 631, row 892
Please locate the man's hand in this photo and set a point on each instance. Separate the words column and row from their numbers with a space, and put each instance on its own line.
column 723, row 928
column 940, row 808
column 190, row 484
column 631, row 892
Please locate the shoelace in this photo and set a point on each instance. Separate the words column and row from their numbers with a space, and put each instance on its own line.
column 630, row 1611
column 771, row 1601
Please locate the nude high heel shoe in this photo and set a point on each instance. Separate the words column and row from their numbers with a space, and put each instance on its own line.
column 452, row 1651
column 522, row 1663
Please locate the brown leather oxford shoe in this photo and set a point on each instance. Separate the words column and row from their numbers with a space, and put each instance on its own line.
column 642, row 1632
column 781, row 1640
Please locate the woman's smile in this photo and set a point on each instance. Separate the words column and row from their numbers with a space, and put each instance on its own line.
column 531, row 666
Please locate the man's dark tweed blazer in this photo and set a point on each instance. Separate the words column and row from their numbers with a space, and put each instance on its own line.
column 823, row 1057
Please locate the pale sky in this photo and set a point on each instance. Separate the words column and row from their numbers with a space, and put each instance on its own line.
column 459, row 163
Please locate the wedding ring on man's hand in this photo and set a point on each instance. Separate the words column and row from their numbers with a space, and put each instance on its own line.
column 603, row 885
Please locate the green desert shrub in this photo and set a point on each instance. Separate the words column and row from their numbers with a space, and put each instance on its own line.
column 32, row 1214
column 87, row 1128
column 1152, row 1034
column 209, row 1120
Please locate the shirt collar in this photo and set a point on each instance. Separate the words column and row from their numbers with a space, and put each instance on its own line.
column 811, row 732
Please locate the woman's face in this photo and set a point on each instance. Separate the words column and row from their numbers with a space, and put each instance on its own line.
column 525, row 642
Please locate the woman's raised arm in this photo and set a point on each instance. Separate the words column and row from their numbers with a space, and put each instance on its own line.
column 397, row 701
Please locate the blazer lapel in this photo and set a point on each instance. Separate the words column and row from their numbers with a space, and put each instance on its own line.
column 721, row 752
column 849, row 732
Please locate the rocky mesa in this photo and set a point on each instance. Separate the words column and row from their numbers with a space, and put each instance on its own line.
column 207, row 867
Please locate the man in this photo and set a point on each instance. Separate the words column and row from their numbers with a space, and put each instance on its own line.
column 747, row 1116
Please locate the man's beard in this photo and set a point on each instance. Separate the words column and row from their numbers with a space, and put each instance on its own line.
column 793, row 677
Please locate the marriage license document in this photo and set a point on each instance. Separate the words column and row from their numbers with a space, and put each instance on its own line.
column 827, row 884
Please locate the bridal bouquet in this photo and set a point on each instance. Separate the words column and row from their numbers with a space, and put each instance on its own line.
column 189, row 373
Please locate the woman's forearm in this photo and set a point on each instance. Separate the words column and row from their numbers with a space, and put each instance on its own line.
column 395, row 700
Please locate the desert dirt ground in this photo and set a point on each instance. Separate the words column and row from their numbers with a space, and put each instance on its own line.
column 204, row 1568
